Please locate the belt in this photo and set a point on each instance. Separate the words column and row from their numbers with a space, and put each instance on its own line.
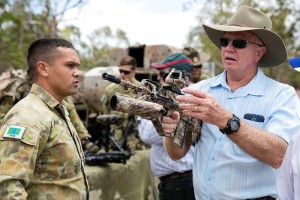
column 176, row 175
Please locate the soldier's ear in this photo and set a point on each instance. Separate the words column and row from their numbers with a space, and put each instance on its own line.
column 42, row 68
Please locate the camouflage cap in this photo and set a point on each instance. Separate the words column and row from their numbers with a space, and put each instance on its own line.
column 196, row 57
column 295, row 63
column 177, row 60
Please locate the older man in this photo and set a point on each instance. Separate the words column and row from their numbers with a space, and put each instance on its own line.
column 248, row 118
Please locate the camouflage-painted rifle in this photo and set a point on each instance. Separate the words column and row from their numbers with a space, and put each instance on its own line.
column 154, row 100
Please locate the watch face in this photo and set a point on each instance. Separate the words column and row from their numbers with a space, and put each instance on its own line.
column 234, row 125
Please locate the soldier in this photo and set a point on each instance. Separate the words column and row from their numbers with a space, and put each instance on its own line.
column 41, row 154
column 127, row 129
column 87, row 144
column 198, row 59
column 15, row 85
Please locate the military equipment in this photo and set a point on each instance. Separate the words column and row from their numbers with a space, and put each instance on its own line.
column 118, row 154
column 154, row 100
column 107, row 157
column 106, row 134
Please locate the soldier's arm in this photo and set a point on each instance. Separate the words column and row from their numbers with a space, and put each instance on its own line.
column 18, row 157
column 105, row 100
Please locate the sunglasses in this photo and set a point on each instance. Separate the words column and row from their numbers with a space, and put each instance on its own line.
column 197, row 67
column 239, row 44
column 124, row 72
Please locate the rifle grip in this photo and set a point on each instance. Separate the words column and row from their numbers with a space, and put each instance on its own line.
column 181, row 129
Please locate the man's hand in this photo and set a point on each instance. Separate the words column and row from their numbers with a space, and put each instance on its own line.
column 203, row 106
column 169, row 123
column 88, row 146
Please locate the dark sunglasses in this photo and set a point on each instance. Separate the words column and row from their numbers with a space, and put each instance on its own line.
column 124, row 72
column 197, row 66
column 239, row 44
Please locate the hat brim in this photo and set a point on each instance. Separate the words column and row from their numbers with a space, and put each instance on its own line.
column 204, row 57
column 276, row 52
column 161, row 65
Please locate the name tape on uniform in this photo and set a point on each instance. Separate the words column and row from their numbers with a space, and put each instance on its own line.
column 14, row 132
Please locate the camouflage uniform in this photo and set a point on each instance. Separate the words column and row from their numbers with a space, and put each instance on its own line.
column 14, row 86
column 133, row 141
column 47, row 161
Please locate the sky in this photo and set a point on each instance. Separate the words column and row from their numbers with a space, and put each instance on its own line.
column 146, row 22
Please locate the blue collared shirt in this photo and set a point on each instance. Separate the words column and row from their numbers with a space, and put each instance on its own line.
column 160, row 162
column 221, row 169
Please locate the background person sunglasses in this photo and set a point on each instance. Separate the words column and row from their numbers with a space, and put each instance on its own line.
column 124, row 71
column 239, row 44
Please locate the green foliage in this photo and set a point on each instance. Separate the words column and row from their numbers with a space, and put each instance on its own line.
column 284, row 15
column 23, row 21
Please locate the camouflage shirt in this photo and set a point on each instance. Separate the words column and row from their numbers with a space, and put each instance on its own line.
column 41, row 154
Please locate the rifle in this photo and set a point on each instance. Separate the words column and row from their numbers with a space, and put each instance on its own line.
column 154, row 100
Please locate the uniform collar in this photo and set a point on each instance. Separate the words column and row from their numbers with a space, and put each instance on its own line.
column 45, row 96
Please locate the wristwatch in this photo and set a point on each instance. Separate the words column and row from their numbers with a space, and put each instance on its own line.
column 232, row 126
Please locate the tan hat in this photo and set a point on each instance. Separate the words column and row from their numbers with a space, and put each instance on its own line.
column 249, row 19
column 195, row 56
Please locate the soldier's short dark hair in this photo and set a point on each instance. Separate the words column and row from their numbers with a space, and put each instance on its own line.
column 128, row 60
column 44, row 49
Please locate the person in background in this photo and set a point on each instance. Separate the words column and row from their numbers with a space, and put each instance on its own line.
column 288, row 177
column 87, row 145
column 175, row 177
column 248, row 118
column 41, row 154
column 127, row 129
column 198, row 59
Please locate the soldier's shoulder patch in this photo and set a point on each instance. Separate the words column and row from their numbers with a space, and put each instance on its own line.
column 14, row 132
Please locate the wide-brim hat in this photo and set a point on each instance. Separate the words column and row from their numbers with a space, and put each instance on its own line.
column 198, row 58
column 295, row 63
column 249, row 19
column 177, row 60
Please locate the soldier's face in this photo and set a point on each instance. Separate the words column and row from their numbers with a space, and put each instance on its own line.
column 63, row 73
column 196, row 73
column 126, row 72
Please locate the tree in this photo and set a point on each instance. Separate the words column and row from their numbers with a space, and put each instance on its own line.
column 23, row 21
column 99, row 46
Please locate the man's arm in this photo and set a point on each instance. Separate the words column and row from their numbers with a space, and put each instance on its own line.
column 17, row 163
column 262, row 145
column 169, row 125
column 148, row 133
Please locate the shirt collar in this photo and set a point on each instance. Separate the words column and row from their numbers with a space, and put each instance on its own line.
column 255, row 87
column 45, row 96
